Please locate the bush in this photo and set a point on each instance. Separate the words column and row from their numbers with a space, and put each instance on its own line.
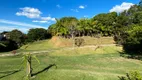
column 9, row 46
column 135, row 75
column 131, row 40
column 79, row 42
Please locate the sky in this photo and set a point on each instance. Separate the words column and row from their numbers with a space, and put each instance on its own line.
column 26, row 14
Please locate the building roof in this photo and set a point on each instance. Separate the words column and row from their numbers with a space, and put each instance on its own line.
column 1, row 37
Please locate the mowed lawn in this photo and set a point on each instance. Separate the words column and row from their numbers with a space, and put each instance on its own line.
column 104, row 63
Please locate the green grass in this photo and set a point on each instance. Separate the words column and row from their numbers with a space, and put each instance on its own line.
column 79, row 64
column 59, row 42
column 39, row 45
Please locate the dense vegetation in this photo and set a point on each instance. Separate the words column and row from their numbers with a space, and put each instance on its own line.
column 125, row 27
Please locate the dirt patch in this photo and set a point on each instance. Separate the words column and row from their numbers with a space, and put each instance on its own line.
column 60, row 42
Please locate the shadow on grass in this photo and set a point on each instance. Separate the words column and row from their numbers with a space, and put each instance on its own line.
column 8, row 73
column 45, row 69
column 131, row 55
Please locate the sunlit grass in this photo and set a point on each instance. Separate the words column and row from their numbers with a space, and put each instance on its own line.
column 104, row 63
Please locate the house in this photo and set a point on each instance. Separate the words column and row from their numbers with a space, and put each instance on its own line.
column 2, row 37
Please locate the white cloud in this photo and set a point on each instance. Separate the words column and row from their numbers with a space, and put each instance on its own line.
column 35, row 13
column 82, row 7
column 48, row 18
column 44, row 20
column 86, row 16
column 58, row 6
column 36, row 21
column 120, row 8
column 29, row 12
column 74, row 10
column 10, row 28
column 20, row 24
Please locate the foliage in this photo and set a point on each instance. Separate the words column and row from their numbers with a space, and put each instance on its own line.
column 12, row 40
column 64, row 27
column 37, row 34
column 69, row 26
column 140, row 3
column 17, row 36
column 135, row 75
column 128, row 30
column 133, row 40
column 1, row 44
column 8, row 45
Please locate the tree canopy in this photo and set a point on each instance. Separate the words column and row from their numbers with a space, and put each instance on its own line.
column 37, row 34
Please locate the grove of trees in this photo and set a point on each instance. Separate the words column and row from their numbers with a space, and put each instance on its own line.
column 125, row 27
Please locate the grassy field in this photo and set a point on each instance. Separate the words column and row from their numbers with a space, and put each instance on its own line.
column 86, row 63
column 104, row 63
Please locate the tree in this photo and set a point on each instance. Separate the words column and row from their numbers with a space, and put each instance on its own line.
column 17, row 36
column 61, row 28
column 81, row 27
column 105, row 23
column 37, row 34
column 27, row 63
column 140, row 3
column 70, row 24
column 137, row 18
column 132, row 40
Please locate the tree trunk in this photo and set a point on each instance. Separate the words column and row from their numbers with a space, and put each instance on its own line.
column 73, row 40
column 29, row 67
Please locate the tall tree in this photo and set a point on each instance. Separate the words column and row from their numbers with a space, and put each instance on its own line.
column 17, row 36
column 37, row 34
column 140, row 3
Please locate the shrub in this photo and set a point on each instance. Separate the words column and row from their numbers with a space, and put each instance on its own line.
column 9, row 46
column 135, row 75
column 79, row 42
column 131, row 39
column 133, row 42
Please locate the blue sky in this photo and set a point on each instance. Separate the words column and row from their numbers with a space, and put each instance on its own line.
column 26, row 14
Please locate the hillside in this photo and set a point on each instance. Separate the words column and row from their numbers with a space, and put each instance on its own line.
column 58, row 42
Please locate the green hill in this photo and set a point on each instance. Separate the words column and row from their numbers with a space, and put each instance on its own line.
column 59, row 42
column 85, row 63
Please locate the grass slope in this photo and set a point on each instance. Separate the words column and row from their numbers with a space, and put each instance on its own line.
column 79, row 64
column 58, row 42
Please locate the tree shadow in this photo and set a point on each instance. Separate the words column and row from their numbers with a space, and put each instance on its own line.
column 131, row 55
column 8, row 73
column 45, row 69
